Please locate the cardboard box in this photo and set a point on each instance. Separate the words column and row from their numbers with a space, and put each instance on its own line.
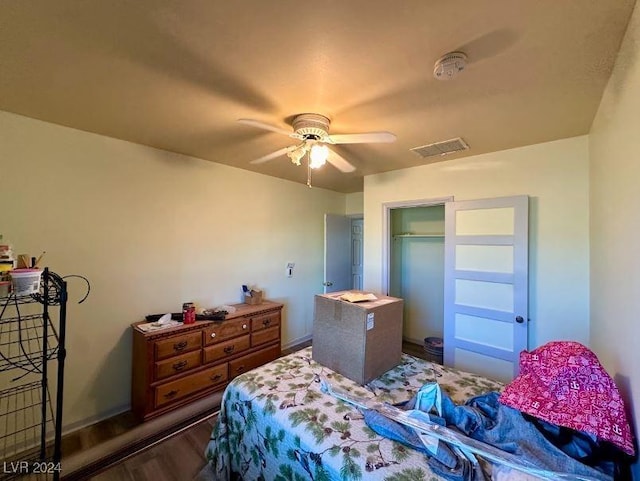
column 360, row 340
column 254, row 298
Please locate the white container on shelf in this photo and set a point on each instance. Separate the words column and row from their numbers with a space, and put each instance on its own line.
column 25, row 281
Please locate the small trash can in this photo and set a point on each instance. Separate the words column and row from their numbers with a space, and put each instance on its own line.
column 433, row 347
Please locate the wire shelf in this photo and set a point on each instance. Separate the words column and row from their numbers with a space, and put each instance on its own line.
column 12, row 299
column 22, row 341
column 30, row 432
column 23, row 433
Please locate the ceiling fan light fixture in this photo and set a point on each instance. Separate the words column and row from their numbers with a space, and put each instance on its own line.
column 297, row 154
column 318, row 155
column 312, row 130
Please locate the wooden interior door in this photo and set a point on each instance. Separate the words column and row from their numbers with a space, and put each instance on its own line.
column 486, row 285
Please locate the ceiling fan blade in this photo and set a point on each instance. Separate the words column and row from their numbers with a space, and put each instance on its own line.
column 339, row 162
column 364, row 138
column 272, row 155
column 265, row 126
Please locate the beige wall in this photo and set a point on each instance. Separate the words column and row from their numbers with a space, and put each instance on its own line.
column 354, row 203
column 614, row 144
column 555, row 176
column 151, row 229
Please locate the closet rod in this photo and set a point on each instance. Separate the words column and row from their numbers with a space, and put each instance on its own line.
column 401, row 236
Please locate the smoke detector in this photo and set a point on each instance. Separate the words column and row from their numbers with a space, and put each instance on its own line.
column 449, row 65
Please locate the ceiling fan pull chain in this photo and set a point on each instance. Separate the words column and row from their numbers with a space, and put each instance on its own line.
column 308, row 172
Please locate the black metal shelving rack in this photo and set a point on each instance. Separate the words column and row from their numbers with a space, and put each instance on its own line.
column 30, row 413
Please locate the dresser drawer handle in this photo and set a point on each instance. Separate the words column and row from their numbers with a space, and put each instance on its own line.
column 215, row 378
column 213, row 334
column 229, row 349
column 240, row 368
column 266, row 322
column 244, row 326
column 179, row 346
column 179, row 366
column 171, row 394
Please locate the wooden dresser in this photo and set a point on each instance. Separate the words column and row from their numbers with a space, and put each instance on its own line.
column 177, row 365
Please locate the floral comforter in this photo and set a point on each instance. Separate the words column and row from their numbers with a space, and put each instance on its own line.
column 275, row 423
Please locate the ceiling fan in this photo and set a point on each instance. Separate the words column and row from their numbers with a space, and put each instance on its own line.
column 312, row 132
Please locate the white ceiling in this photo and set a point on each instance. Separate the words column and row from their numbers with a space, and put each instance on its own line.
column 178, row 74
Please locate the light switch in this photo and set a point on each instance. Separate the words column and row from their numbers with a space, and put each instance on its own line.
column 289, row 269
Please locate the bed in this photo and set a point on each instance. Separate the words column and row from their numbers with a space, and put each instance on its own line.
column 276, row 423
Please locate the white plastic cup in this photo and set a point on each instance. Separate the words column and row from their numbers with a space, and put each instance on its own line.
column 25, row 281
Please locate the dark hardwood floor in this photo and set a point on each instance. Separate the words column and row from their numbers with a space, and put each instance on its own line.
column 179, row 458
column 173, row 453
column 98, row 433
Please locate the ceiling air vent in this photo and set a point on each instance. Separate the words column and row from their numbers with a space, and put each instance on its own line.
column 441, row 148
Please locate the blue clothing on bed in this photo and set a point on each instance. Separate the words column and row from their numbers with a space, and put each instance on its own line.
column 485, row 419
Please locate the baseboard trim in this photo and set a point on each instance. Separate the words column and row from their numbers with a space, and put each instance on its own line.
column 139, row 439
column 417, row 342
column 296, row 342
column 83, row 423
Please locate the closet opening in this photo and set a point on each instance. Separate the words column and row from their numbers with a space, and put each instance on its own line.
column 415, row 265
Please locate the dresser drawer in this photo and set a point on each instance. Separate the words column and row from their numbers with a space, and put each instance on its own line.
column 181, row 388
column 177, row 364
column 265, row 321
column 265, row 335
column 177, row 345
column 248, row 362
column 227, row 348
column 225, row 330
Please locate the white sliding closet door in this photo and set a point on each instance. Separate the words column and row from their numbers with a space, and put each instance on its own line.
column 486, row 285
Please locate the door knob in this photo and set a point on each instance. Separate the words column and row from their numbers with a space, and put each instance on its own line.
column 519, row 319
column 327, row 284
